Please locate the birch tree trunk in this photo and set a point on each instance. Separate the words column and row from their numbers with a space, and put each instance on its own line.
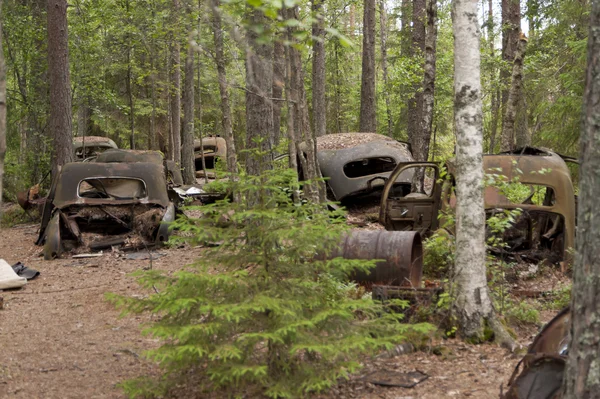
column 368, row 104
column 582, row 377
column 2, row 110
column 60, row 84
column 318, row 70
column 259, row 85
column 514, row 96
column 384, row 65
column 222, row 76
column 473, row 305
column 187, row 138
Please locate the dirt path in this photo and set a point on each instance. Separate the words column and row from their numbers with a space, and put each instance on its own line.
column 59, row 338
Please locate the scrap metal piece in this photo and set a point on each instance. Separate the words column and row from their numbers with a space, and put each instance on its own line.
column 53, row 246
column 401, row 253
column 391, row 378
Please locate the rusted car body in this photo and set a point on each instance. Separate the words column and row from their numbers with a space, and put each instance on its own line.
column 544, row 230
column 359, row 163
column 86, row 147
column 172, row 171
column 213, row 148
column 539, row 374
column 99, row 205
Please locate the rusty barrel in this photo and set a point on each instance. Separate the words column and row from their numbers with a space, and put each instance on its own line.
column 401, row 254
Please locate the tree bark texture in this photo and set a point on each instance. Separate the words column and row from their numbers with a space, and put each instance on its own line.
column 223, row 90
column 415, row 104
column 259, row 103
column 384, row 65
column 302, row 130
column 368, row 104
column 511, row 27
column 2, row 110
column 473, row 304
column 512, row 103
column 422, row 137
column 582, row 375
column 278, row 84
column 406, row 31
column 495, row 100
column 60, row 84
column 319, row 103
column 187, row 138
column 176, row 88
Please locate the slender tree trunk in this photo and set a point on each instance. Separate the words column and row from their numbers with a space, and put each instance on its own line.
column 60, row 84
column 422, row 138
column 130, row 96
column 511, row 27
column 384, row 65
column 222, row 76
column 302, row 130
column 187, row 147
column 290, row 99
column 415, row 104
column 259, row 103
column 278, row 84
column 318, row 70
column 495, row 100
column 473, row 306
column 514, row 97
column 153, row 141
column 368, row 104
column 338, row 94
column 2, row 110
column 176, row 88
column 582, row 376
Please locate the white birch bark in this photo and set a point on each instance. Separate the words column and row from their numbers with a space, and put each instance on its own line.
column 473, row 305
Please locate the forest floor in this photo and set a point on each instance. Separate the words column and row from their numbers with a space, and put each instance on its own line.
column 60, row 338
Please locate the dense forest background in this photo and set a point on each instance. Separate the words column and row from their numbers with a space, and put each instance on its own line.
column 128, row 70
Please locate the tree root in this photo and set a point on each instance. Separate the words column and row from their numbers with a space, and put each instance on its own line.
column 501, row 336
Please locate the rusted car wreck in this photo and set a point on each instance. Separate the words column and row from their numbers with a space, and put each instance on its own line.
column 88, row 147
column 93, row 206
column 358, row 164
column 545, row 228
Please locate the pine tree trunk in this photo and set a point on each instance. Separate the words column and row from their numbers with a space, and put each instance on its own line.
column 222, row 76
column 582, row 377
column 2, row 110
column 511, row 27
column 187, row 145
column 415, row 104
column 278, row 84
column 176, row 88
column 368, row 104
column 473, row 306
column 60, row 84
column 130, row 97
column 514, row 97
column 319, row 104
column 495, row 104
column 384, row 65
column 259, row 85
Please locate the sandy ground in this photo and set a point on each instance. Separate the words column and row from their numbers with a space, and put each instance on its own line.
column 60, row 338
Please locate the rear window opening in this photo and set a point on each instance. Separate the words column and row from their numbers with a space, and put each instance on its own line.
column 209, row 161
column 530, row 194
column 112, row 188
column 369, row 166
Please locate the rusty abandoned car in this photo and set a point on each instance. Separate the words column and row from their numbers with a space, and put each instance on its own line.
column 94, row 206
column 539, row 374
column 541, row 188
column 358, row 164
column 88, row 147
column 212, row 148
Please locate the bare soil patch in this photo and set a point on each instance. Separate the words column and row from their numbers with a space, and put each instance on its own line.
column 60, row 338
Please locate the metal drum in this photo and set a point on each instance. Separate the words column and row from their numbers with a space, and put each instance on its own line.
column 401, row 254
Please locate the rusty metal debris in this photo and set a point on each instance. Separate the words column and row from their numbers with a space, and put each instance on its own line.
column 359, row 163
column 391, row 378
column 401, row 255
column 100, row 205
column 539, row 374
column 544, row 230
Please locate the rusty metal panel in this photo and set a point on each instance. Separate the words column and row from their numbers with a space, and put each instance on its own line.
column 72, row 174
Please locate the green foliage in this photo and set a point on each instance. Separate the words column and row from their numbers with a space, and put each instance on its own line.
column 264, row 310
column 438, row 253
column 522, row 313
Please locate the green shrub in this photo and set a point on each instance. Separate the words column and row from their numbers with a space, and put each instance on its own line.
column 438, row 254
column 522, row 313
column 264, row 312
